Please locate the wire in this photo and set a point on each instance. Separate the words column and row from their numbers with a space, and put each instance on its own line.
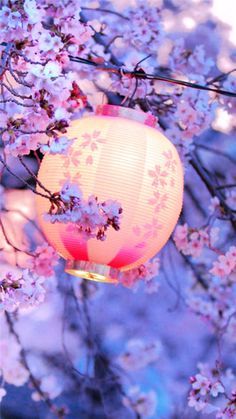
column 140, row 74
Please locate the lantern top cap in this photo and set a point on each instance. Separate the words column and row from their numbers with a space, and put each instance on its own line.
column 129, row 113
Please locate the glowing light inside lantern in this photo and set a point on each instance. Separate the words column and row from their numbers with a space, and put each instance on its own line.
column 117, row 155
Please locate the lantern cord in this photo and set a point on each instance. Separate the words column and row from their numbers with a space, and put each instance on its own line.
column 140, row 74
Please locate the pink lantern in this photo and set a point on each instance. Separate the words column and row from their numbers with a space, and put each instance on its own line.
column 117, row 155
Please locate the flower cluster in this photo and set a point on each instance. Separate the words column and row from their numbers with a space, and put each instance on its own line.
column 49, row 386
column 189, row 61
column 144, row 404
column 194, row 113
column 146, row 29
column 43, row 260
column 209, row 393
column 39, row 85
column 58, row 145
column 145, row 272
column 22, row 290
column 139, row 354
column 191, row 241
column 88, row 217
column 225, row 265
column 216, row 304
column 11, row 368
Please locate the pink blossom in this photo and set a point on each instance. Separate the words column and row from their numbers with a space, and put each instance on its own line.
column 15, row 374
column 188, row 61
column 11, row 367
column 143, row 403
column 225, row 264
column 216, row 388
column 231, row 198
column 50, row 71
column 214, row 205
column 50, row 386
column 145, row 272
column 59, row 145
column 196, row 402
column 44, row 260
column 88, row 217
column 181, row 237
column 147, row 28
column 33, row 11
column 47, row 42
column 70, row 190
column 202, row 384
column 192, row 241
column 138, row 354
column 23, row 291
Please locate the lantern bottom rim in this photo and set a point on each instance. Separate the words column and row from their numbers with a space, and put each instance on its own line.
column 92, row 271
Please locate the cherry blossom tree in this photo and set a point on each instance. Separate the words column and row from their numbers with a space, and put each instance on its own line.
column 161, row 343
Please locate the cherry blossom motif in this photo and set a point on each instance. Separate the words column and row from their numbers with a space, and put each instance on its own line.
column 137, row 230
column 172, row 182
column 89, row 159
column 151, row 230
column 92, row 140
column 158, row 200
column 171, row 163
column 141, row 245
column 159, row 176
column 147, row 230
column 72, row 158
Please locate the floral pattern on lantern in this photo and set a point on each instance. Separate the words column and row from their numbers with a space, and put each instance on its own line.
column 116, row 154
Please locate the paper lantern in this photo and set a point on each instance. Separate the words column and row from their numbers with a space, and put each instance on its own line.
column 118, row 155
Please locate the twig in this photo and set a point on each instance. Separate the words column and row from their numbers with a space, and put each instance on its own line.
column 32, row 378
column 22, row 180
column 216, row 151
column 203, row 174
column 90, row 9
column 9, row 242
column 231, row 185
column 5, row 58
column 34, row 176
column 138, row 74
